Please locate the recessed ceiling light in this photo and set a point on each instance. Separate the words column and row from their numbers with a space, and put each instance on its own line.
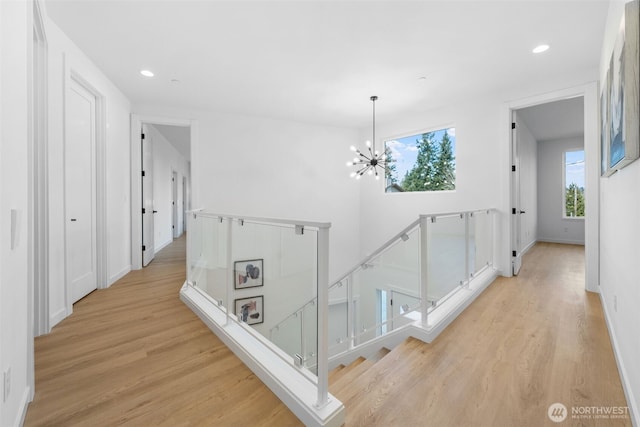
column 541, row 48
column 146, row 73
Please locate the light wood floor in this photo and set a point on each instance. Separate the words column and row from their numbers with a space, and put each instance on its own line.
column 135, row 355
column 525, row 343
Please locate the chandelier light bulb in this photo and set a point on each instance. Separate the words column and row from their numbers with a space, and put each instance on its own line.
column 358, row 176
column 353, row 175
column 370, row 172
column 377, row 177
column 368, row 143
column 349, row 163
column 353, row 148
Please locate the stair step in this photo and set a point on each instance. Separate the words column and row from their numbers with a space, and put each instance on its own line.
column 350, row 376
column 379, row 354
column 372, row 387
column 339, row 373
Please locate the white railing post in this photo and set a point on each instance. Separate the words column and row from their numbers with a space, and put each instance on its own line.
column 229, row 281
column 323, row 317
column 467, row 236
column 424, row 268
column 350, row 312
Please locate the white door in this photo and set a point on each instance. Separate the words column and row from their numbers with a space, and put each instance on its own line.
column 148, row 212
column 184, row 203
column 516, row 221
column 80, row 186
column 174, row 205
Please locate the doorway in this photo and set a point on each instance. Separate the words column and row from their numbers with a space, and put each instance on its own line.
column 161, row 154
column 527, row 201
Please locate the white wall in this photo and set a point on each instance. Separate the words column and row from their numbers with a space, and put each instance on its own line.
column 166, row 160
column 64, row 56
column 15, row 284
column 274, row 168
column 529, row 195
column 553, row 227
column 619, row 237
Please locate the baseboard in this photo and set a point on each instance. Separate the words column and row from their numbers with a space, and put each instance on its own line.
column 113, row 279
column 24, row 405
column 57, row 317
column 628, row 392
column 528, row 247
column 562, row 241
column 163, row 245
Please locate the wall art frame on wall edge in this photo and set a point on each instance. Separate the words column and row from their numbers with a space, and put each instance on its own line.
column 248, row 273
column 250, row 310
column 621, row 143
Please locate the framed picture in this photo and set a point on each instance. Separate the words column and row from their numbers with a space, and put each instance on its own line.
column 621, row 140
column 248, row 274
column 250, row 310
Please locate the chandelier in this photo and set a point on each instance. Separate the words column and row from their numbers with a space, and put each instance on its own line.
column 369, row 162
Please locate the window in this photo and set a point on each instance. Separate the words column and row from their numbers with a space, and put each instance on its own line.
column 574, row 184
column 422, row 162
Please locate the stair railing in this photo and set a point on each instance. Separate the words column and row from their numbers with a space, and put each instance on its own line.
column 251, row 269
column 403, row 281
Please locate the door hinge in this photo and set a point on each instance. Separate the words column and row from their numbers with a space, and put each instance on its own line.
column 142, row 135
column 391, row 301
column 173, row 227
column 144, row 248
column 513, row 168
column 143, row 210
column 513, row 125
column 513, row 253
column 173, row 203
column 142, row 173
column 513, row 211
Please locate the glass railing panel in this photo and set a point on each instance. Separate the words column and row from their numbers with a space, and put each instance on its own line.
column 405, row 309
column 481, row 254
column 206, row 252
column 395, row 269
column 338, row 333
column 446, row 255
column 274, row 275
column 309, row 336
column 288, row 334
column 210, row 250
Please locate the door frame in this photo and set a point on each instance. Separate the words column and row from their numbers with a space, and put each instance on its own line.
column 102, row 252
column 39, row 175
column 589, row 92
column 137, row 120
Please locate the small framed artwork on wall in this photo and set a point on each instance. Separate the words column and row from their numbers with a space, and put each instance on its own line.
column 248, row 274
column 250, row 310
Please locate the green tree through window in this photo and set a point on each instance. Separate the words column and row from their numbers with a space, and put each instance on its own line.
column 574, row 184
column 424, row 162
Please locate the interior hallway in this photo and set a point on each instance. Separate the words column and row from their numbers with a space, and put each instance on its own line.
column 133, row 354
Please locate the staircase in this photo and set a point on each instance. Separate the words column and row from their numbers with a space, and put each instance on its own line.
column 372, row 388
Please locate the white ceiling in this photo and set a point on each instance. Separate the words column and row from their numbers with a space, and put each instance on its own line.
column 319, row 61
column 555, row 120
column 178, row 136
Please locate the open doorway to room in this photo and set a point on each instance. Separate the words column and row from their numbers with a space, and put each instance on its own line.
column 548, row 175
column 161, row 184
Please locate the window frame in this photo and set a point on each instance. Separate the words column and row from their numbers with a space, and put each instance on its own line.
column 446, row 126
column 564, row 183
